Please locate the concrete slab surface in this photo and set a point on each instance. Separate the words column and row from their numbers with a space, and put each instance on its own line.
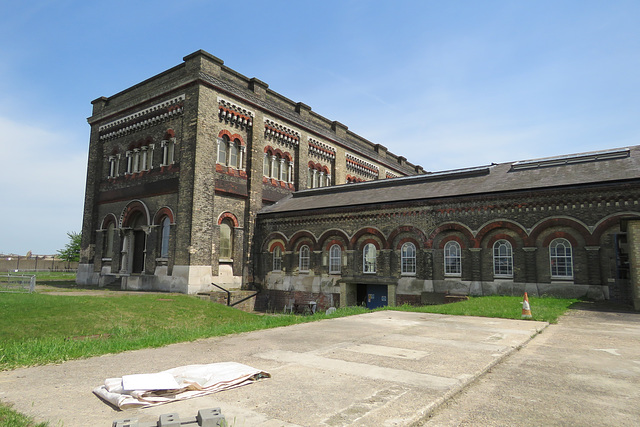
column 385, row 368
column 583, row 371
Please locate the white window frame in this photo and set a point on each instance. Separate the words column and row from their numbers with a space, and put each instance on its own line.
column 369, row 258
column 452, row 259
column 266, row 165
column 503, row 260
column 565, row 259
column 304, row 258
column 277, row 259
column 335, row 259
column 408, row 260
column 226, row 256
column 165, row 234
column 168, row 148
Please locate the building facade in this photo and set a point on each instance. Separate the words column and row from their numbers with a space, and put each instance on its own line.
column 562, row 226
column 201, row 176
column 180, row 164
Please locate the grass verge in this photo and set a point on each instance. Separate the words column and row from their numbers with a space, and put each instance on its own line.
column 40, row 329
column 11, row 418
column 544, row 309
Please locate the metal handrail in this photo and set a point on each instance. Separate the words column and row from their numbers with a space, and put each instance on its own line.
column 228, row 293
column 229, row 296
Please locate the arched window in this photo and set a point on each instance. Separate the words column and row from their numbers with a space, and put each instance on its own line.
column 408, row 258
column 276, row 167
column 222, row 150
column 108, row 244
column 266, row 165
column 452, row 259
column 502, row 259
column 168, row 148
column 369, row 257
column 335, row 259
column 561, row 259
column 277, row 259
column 303, row 264
column 166, row 230
column 226, row 240
column 233, row 155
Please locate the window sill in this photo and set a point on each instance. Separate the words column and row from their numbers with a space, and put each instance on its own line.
column 225, row 260
column 564, row 280
column 408, row 274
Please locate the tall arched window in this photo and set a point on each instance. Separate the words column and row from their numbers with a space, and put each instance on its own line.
column 108, row 244
column 166, row 230
column 408, row 258
column 303, row 264
column 266, row 164
column 226, row 240
column 335, row 259
column 276, row 167
column 277, row 259
column 452, row 259
column 222, row 150
column 233, row 154
column 108, row 241
column 561, row 259
column 369, row 257
column 502, row 259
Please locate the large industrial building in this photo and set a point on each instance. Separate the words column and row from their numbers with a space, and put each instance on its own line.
column 202, row 176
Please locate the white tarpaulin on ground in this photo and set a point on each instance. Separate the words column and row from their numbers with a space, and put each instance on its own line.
column 185, row 382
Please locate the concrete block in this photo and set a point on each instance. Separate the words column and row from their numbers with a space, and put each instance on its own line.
column 211, row 417
column 169, row 420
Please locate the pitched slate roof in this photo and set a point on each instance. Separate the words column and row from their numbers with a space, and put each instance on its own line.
column 595, row 167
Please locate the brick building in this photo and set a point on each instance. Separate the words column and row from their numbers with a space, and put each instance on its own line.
column 180, row 164
column 201, row 175
column 563, row 226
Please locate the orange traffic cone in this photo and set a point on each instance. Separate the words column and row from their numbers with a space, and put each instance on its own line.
column 526, row 308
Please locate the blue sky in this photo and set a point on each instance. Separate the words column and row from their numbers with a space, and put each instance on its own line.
column 447, row 84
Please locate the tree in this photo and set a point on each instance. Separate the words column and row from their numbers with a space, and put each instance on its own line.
column 71, row 251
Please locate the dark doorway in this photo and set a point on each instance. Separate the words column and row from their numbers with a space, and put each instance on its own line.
column 139, row 238
column 620, row 290
column 372, row 296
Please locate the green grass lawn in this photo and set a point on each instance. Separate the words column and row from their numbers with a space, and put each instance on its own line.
column 41, row 328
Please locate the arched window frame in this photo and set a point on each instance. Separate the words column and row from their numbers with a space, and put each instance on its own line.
column 222, row 150
column 266, row 165
column 304, row 258
column 232, row 155
column 561, row 259
column 502, row 259
column 452, row 259
column 165, row 234
column 277, row 259
column 108, row 241
column 226, row 239
column 335, row 259
column 168, row 151
column 408, row 259
column 369, row 258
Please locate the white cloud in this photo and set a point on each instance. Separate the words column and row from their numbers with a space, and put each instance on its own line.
column 43, row 179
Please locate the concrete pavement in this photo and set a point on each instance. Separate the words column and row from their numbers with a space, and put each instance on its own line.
column 583, row 371
column 384, row 369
